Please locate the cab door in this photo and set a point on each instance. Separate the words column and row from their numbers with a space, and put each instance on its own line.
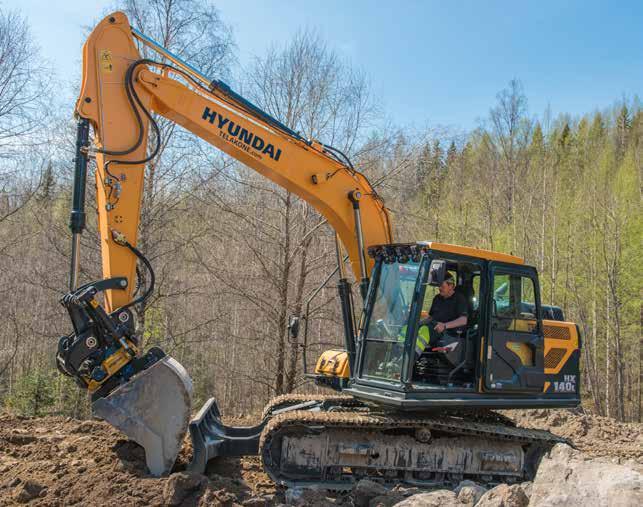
column 513, row 360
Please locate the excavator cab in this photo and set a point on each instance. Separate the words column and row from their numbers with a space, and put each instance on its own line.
column 497, row 360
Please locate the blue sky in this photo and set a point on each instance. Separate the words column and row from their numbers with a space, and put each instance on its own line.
column 430, row 62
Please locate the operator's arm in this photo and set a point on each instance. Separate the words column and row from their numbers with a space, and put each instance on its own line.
column 429, row 319
column 454, row 324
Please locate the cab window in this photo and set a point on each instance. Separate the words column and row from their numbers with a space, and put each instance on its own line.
column 386, row 332
column 514, row 303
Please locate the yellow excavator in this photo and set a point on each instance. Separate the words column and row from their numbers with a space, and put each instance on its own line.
column 408, row 404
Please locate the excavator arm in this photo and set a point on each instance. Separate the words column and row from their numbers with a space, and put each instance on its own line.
column 147, row 395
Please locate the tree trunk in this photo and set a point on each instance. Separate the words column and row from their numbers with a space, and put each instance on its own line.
column 282, row 320
column 299, row 295
column 608, row 412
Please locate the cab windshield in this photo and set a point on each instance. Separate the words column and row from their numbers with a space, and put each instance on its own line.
column 386, row 329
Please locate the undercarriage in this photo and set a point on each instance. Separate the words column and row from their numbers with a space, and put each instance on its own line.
column 333, row 441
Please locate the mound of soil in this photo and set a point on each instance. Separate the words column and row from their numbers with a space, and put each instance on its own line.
column 596, row 436
column 55, row 461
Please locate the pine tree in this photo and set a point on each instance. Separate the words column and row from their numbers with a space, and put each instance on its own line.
column 48, row 185
column 33, row 394
column 452, row 154
column 623, row 124
column 423, row 165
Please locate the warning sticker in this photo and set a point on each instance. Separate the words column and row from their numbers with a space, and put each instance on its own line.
column 106, row 60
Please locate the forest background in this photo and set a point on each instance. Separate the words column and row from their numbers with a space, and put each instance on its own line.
column 235, row 255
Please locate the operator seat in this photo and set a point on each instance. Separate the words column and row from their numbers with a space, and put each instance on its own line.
column 471, row 330
column 466, row 289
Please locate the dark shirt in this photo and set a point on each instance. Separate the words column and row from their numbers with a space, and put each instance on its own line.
column 448, row 309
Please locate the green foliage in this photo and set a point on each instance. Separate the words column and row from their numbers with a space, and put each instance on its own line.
column 568, row 199
column 71, row 400
column 33, row 393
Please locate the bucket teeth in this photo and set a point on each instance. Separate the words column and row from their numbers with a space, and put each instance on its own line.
column 152, row 409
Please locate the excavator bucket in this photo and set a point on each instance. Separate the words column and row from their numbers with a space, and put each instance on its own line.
column 152, row 409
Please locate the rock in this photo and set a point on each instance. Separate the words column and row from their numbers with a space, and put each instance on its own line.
column 527, row 488
column 309, row 497
column 633, row 464
column 388, row 500
column 440, row 498
column 469, row 493
column 181, row 485
column 565, row 477
column 212, row 498
column 365, row 490
column 255, row 501
column 222, row 497
column 504, row 496
column 14, row 482
column 407, row 490
column 29, row 490
column 294, row 495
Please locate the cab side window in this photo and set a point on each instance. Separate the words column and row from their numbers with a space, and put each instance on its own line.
column 514, row 303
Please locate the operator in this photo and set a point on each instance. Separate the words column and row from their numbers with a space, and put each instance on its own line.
column 448, row 311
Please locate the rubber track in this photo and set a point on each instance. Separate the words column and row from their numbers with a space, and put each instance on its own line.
column 284, row 400
column 380, row 422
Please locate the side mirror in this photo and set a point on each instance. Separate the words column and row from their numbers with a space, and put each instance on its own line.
column 293, row 326
column 437, row 272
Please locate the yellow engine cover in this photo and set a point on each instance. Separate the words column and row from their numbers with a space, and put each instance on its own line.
column 333, row 363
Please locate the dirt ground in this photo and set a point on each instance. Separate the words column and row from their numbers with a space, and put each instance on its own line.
column 60, row 461
column 598, row 437
column 56, row 461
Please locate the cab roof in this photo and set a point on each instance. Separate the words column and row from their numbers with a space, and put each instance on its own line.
column 412, row 249
column 481, row 253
